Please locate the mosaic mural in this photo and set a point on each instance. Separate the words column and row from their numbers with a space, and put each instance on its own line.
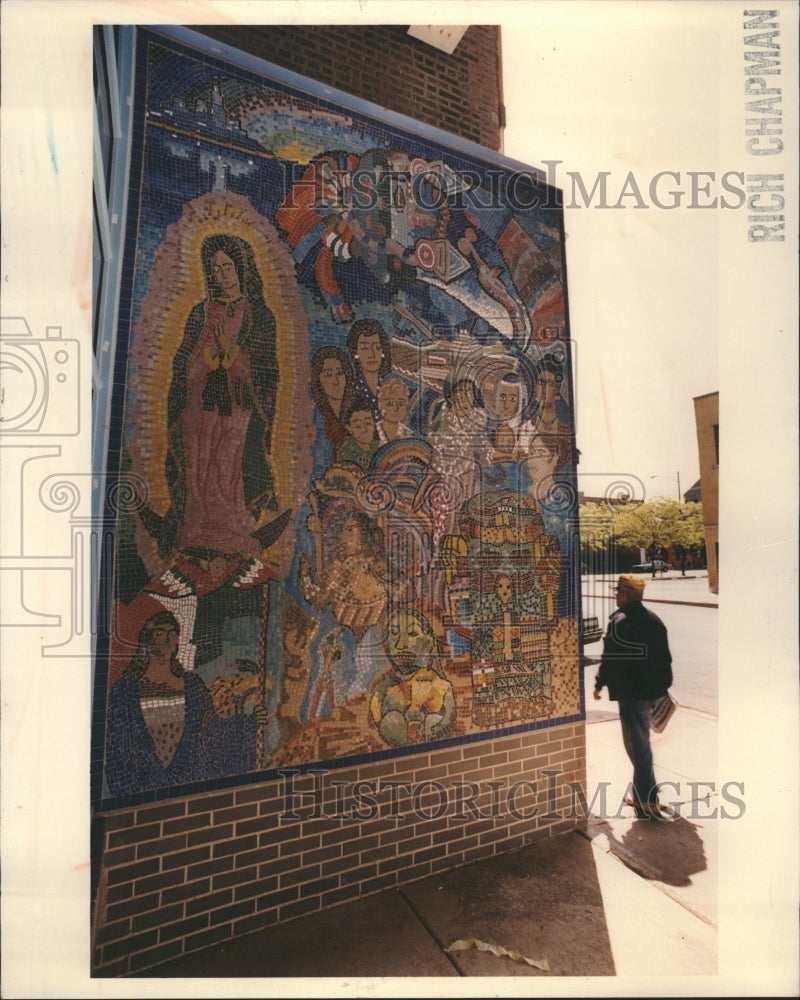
column 344, row 439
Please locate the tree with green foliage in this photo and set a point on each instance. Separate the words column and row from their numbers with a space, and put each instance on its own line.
column 654, row 526
column 686, row 529
column 596, row 525
column 659, row 524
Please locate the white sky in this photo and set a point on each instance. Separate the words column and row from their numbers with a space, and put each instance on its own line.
column 605, row 87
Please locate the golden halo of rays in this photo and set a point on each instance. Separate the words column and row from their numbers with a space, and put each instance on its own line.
column 180, row 256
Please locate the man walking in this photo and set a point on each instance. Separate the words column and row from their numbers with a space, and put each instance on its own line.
column 636, row 667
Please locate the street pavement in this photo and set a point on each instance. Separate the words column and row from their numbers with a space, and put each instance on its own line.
column 635, row 899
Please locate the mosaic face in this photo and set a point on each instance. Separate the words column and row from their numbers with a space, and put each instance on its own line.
column 369, row 354
column 332, row 379
column 362, row 427
column 508, row 402
column 224, row 272
column 345, row 364
column 409, row 643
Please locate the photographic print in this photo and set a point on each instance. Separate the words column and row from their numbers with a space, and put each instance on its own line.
column 380, row 414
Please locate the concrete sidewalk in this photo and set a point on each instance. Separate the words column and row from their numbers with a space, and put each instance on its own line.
column 620, row 897
column 572, row 905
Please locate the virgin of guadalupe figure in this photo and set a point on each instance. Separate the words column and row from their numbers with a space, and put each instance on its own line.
column 220, row 412
column 332, row 389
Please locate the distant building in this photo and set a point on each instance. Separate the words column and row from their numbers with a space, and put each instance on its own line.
column 694, row 494
column 613, row 501
column 706, row 414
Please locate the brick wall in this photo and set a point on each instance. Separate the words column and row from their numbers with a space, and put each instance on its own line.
column 185, row 873
column 706, row 412
column 460, row 93
column 188, row 873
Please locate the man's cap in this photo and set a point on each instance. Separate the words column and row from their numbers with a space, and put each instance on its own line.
column 630, row 582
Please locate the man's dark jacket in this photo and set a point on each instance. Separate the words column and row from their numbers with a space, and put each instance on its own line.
column 636, row 661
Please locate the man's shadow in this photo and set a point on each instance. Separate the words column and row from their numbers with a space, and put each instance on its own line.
column 664, row 852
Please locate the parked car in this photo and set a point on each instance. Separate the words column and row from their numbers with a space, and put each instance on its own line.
column 591, row 630
column 659, row 565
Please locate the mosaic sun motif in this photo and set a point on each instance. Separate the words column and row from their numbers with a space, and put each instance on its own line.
column 345, row 418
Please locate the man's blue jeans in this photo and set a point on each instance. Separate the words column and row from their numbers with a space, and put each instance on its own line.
column 635, row 718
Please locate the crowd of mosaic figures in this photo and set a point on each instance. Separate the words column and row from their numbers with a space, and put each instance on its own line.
column 425, row 540
column 429, row 590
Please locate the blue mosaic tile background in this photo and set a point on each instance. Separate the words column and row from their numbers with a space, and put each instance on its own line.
column 344, row 427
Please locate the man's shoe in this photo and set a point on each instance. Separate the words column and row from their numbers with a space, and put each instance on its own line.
column 648, row 810
column 652, row 810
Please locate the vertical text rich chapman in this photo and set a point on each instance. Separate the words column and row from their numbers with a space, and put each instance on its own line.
column 763, row 123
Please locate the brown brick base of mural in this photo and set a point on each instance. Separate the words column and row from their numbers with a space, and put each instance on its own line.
column 180, row 875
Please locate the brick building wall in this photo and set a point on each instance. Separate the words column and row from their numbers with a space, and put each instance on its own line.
column 460, row 92
column 176, row 875
column 706, row 412
column 188, row 873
